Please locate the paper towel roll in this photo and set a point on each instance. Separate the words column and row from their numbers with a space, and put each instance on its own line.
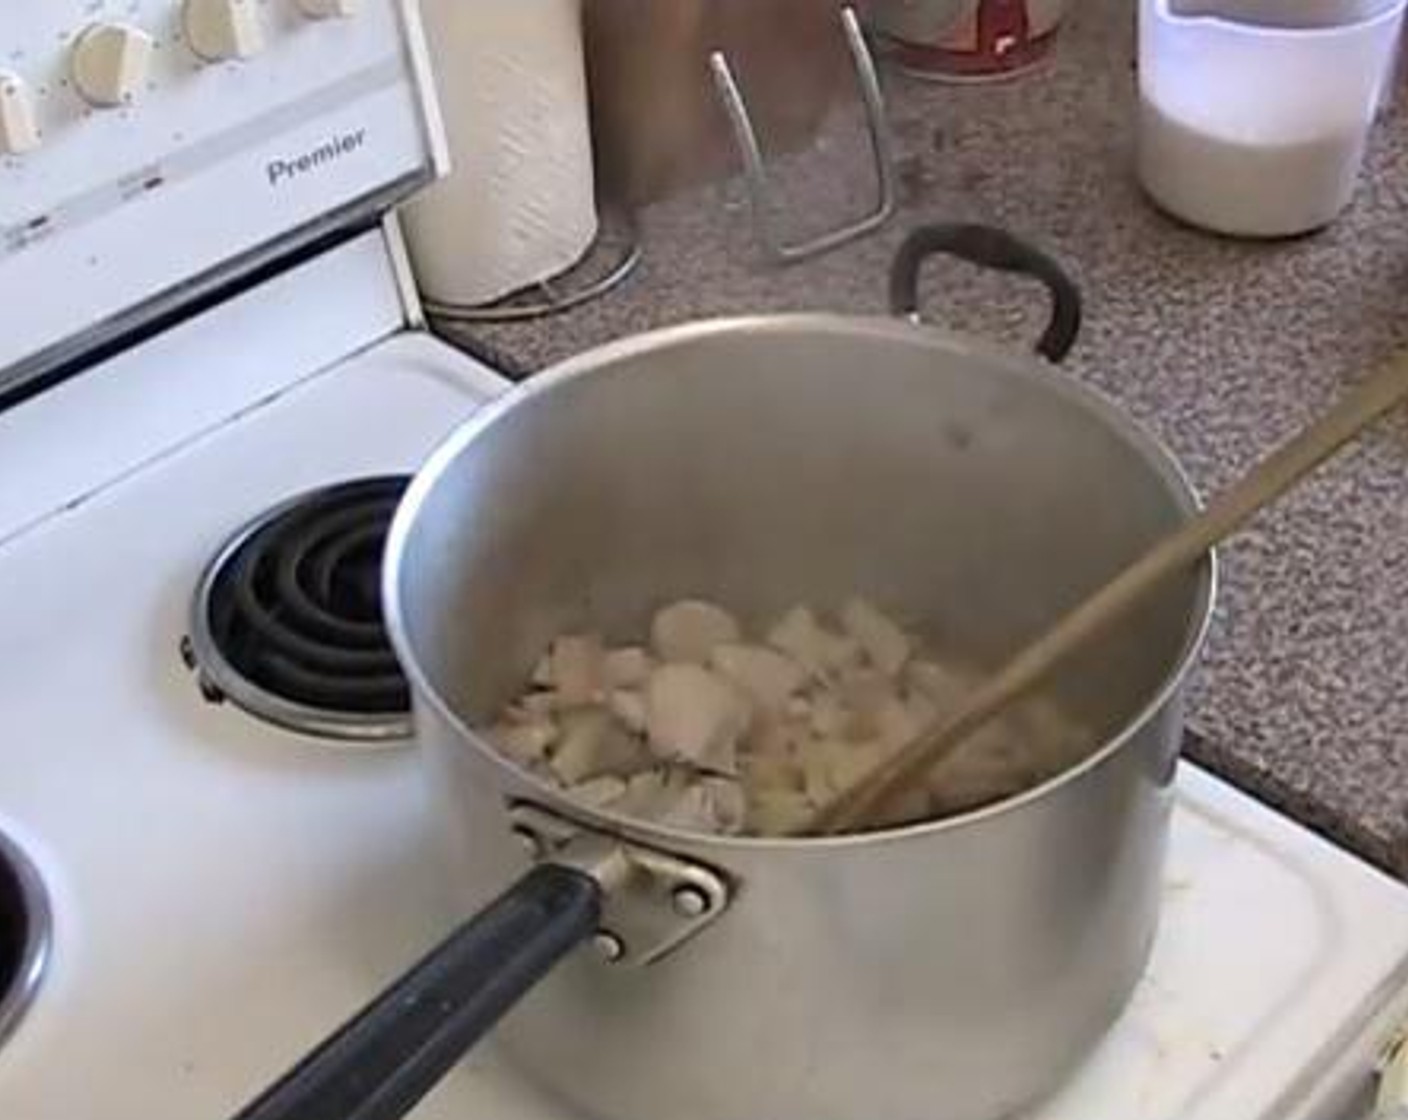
column 519, row 204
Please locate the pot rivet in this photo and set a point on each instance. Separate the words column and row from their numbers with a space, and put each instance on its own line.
column 608, row 946
column 532, row 843
column 691, row 902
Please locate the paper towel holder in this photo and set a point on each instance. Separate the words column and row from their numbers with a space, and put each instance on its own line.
column 557, row 294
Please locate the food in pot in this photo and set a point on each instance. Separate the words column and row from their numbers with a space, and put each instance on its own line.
column 710, row 729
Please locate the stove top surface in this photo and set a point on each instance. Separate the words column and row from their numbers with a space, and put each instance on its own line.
column 226, row 891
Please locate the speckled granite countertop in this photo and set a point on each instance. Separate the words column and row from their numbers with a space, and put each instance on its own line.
column 1222, row 347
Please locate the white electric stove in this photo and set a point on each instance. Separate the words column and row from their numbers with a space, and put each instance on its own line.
column 201, row 317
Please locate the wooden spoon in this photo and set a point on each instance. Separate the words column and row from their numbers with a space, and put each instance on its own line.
column 856, row 807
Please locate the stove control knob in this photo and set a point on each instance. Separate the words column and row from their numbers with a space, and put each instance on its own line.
column 328, row 9
column 110, row 63
column 220, row 30
column 19, row 129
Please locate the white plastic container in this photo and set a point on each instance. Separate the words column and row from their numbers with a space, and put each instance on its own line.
column 1254, row 113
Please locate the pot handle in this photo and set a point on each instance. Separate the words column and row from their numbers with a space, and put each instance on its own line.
column 992, row 248
column 388, row 1056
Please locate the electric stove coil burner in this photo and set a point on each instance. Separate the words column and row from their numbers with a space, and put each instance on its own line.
column 287, row 621
column 26, row 929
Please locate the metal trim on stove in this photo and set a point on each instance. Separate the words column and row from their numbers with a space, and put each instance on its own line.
column 220, row 679
column 72, row 355
column 38, row 918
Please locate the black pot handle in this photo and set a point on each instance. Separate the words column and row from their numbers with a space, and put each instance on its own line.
column 992, row 248
column 387, row 1057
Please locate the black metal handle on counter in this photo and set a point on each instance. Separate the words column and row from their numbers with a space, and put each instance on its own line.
column 994, row 248
column 385, row 1059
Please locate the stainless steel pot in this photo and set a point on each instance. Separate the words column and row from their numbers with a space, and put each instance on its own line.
column 956, row 969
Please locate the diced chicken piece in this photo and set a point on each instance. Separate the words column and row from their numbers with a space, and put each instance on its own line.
column 841, row 767
column 971, row 785
column 684, row 799
column 829, row 718
column 628, row 667
column 592, row 743
column 922, row 711
column 819, row 651
column 779, row 813
column 525, row 742
column 713, row 805
column 993, row 764
column 842, row 652
column 577, row 755
column 628, row 706
column 773, row 751
column 727, row 804
column 771, row 771
column 771, row 734
column 578, row 669
column 688, row 631
column 895, row 725
column 649, row 793
column 817, row 782
column 770, row 678
column 598, row 793
column 885, row 644
column 533, row 706
column 1059, row 740
column 858, row 762
column 721, row 735
column 864, row 693
column 694, row 716
column 689, row 810
column 830, row 767
column 800, row 708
